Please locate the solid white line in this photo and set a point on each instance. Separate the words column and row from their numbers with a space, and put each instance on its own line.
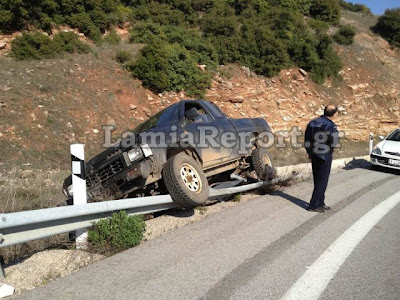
column 314, row 281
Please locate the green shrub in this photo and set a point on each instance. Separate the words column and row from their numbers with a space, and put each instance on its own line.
column 318, row 26
column 329, row 63
column 32, row 46
column 388, row 26
column 361, row 8
column 345, row 35
column 119, row 232
column 220, row 22
column 84, row 23
column 112, row 38
column 147, row 32
column 69, row 42
column 169, row 67
column 39, row 46
column 123, row 56
column 326, row 10
column 159, row 13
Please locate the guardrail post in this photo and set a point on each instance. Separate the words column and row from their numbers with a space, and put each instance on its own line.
column 371, row 142
column 79, row 188
column 2, row 273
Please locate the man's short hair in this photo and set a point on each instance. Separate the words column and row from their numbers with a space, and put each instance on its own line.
column 330, row 110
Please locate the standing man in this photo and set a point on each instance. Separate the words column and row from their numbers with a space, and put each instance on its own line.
column 321, row 138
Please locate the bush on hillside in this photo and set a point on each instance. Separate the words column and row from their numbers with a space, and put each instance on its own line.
column 361, row 8
column 123, row 56
column 147, row 32
column 318, row 26
column 32, row 46
column 169, row 67
column 38, row 46
column 345, row 35
column 117, row 233
column 112, row 38
column 326, row 10
column 69, row 42
column 159, row 13
column 220, row 22
column 388, row 26
column 84, row 23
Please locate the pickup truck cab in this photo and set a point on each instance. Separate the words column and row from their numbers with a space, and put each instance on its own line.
column 180, row 150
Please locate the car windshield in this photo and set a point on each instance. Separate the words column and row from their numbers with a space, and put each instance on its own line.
column 394, row 136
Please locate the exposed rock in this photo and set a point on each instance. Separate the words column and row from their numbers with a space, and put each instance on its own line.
column 303, row 72
column 132, row 107
column 3, row 45
column 147, row 112
column 202, row 67
column 341, row 109
column 237, row 99
column 26, row 174
column 69, row 125
column 246, row 71
column 319, row 112
column 95, row 131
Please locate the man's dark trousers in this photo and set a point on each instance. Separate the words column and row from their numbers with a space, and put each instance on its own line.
column 321, row 171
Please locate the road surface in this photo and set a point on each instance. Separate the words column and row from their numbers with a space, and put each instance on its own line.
column 267, row 248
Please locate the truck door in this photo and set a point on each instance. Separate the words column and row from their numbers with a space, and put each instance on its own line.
column 206, row 131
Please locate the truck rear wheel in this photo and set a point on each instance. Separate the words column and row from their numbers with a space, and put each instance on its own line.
column 262, row 164
column 185, row 181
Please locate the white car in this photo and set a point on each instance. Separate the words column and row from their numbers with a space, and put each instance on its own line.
column 387, row 153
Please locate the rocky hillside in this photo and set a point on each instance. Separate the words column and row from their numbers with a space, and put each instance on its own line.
column 46, row 105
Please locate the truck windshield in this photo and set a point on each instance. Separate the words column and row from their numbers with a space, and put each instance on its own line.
column 168, row 116
column 394, row 136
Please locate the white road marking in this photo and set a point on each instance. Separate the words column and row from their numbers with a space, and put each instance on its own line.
column 314, row 281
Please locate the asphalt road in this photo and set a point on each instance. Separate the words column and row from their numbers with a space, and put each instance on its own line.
column 266, row 248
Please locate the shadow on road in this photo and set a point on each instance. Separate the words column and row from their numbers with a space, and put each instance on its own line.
column 358, row 164
column 292, row 199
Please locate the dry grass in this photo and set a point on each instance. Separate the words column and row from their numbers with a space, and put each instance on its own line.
column 40, row 189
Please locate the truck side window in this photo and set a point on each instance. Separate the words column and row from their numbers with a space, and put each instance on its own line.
column 194, row 113
column 215, row 110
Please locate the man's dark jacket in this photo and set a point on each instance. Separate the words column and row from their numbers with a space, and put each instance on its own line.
column 321, row 138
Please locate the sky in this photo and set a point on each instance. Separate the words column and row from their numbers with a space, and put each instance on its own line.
column 378, row 7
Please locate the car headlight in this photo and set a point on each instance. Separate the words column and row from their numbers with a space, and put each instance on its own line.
column 134, row 154
column 377, row 151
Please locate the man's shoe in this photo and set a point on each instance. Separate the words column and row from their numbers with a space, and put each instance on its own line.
column 319, row 209
column 326, row 207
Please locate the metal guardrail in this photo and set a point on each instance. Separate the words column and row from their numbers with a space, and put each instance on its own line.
column 21, row 227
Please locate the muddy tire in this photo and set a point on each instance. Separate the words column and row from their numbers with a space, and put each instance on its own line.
column 185, row 181
column 262, row 164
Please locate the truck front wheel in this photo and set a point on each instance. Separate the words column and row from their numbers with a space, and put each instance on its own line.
column 262, row 164
column 185, row 181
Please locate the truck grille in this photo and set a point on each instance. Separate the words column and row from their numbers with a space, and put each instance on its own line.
column 105, row 173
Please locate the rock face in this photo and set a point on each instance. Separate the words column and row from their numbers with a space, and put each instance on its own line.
column 289, row 100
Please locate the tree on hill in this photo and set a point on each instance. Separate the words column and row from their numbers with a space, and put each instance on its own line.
column 326, row 10
column 388, row 26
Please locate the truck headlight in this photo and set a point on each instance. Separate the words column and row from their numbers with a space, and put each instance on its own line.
column 377, row 151
column 68, row 191
column 134, row 154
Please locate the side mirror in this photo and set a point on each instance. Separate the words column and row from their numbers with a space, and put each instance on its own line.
column 381, row 137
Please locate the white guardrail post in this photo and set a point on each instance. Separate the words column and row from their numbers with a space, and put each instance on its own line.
column 371, row 142
column 79, row 193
